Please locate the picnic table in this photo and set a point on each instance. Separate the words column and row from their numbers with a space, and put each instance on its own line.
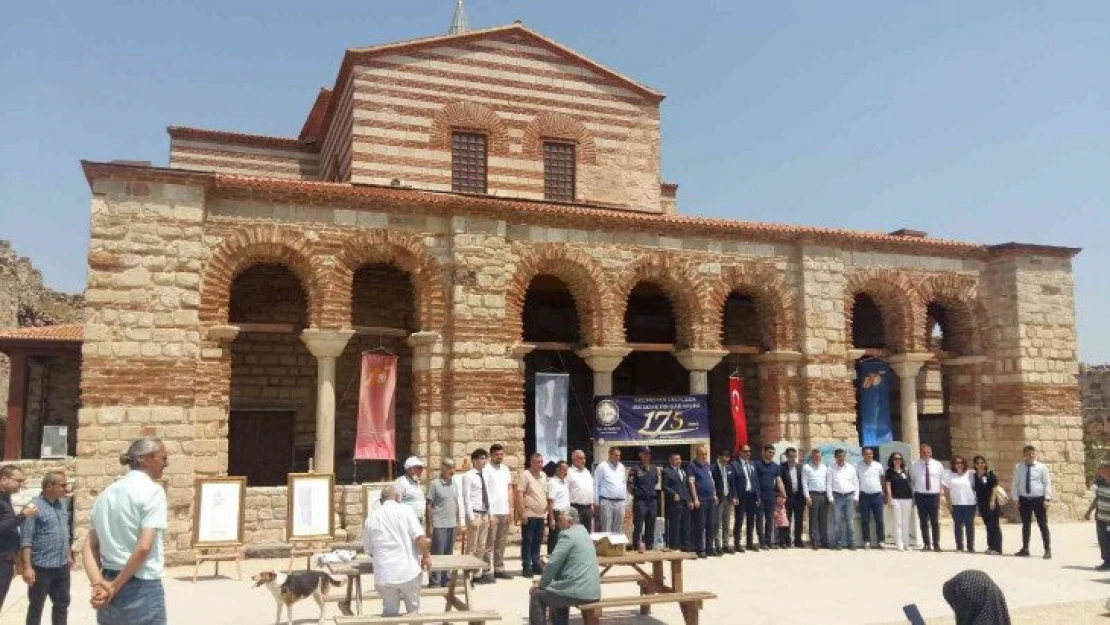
column 654, row 588
column 461, row 567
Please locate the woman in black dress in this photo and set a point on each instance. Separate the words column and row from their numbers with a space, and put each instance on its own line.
column 986, row 496
column 899, row 496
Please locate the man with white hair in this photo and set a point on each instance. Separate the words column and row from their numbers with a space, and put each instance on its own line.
column 395, row 539
column 571, row 577
column 409, row 488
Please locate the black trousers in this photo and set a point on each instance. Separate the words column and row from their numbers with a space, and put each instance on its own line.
column 585, row 516
column 678, row 524
column 53, row 583
column 1102, row 527
column 1029, row 507
column 928, row 514
column 795, row 513
column 704, row 526
column 643, row 522
column 7, row 570
column 745, row 511
column 990, row 521
column 767, row 512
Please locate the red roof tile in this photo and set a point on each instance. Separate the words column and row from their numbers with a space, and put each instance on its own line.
column 70, row 333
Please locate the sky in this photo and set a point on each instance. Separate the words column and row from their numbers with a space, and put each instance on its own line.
column 980, row 121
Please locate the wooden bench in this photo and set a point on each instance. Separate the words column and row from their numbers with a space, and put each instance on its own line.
column 689, row 602
column 622, row 579
column 475, row 617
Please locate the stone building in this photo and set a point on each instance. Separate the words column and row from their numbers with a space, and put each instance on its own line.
column 43, row 376
column 486, row 205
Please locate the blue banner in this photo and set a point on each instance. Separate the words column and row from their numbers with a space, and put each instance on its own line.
column 682, row 420
column 875, row 379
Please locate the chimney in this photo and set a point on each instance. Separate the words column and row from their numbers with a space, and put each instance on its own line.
column 909, row 234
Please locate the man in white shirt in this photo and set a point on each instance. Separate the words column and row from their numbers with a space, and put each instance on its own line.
column 611, row 493
column 395, row 539
column 409, row 488
column 926, row 476
column 499, row 482
column 844, row 492
column 558, row 502
column 1032, row 489
column 871, row 476
column 815, row 485
column 580, row 483
column 475, row 496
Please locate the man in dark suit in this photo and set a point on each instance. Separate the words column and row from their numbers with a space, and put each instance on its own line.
column 723, row 481
column 795, row 495
column 678, row 505
column 745, row 498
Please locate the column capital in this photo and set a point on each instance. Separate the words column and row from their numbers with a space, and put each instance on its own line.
column 326, row 343
column 603, row 359
column 855, row 354
column 425, row 339
column 520, row 350
column 778, row 356
column 908, row 364
column 700, row 359
column 223, row 334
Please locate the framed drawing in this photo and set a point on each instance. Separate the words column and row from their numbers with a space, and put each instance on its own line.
column 372, row 498
column 218, row 510
column 310, row 503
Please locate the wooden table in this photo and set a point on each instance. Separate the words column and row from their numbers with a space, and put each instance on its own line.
column 459, row 566
column 654, row 582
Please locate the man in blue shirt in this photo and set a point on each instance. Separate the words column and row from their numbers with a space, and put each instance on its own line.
column 47, row 560
column 704, row 514
column 768, row 476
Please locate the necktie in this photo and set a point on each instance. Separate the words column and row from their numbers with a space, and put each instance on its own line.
column 724, row 482
column 748, row 474
column 682, row 475
column 928, row 481
column 485, row 493
column 1028, row 479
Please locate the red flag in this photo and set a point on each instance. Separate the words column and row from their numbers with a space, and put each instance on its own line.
column 374, row 436
column 736, row 403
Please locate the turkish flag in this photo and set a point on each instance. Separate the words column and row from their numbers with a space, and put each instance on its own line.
column 736, row 404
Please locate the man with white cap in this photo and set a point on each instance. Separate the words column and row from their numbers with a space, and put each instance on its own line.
column 408, row 486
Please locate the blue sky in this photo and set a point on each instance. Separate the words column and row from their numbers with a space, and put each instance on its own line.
column 982, row 121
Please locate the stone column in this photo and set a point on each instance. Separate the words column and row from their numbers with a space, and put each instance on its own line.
column 906, row 366
column 778, row 396
column 326, row 346
column 603, row 361
column 698, row 362
column 427, row 411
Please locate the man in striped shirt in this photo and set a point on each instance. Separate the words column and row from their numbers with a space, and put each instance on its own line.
column 1100, row 508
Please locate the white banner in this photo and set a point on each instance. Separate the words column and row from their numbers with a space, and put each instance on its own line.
column 552, row 390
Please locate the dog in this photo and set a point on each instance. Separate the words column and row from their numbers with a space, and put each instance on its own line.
column 289, row 588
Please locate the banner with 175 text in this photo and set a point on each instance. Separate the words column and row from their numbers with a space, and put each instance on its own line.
column 680, row 420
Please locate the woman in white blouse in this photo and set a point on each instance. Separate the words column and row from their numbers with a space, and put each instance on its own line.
column 959, row 483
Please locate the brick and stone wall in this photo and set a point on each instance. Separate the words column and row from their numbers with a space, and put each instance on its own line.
column 1094, row 389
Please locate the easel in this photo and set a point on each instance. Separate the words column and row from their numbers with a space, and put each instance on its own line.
column 219, row 553
column 306, row 547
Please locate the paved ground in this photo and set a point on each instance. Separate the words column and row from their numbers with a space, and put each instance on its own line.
column 797, row 586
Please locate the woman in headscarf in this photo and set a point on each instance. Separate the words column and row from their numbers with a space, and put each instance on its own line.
column 976, row 599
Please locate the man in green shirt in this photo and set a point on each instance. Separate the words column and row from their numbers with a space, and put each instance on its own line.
column 571, row 577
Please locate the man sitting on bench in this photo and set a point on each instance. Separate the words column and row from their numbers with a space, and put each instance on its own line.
column 571, row 577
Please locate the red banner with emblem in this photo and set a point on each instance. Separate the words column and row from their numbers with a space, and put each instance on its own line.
column 376, row 429
column 736, row 405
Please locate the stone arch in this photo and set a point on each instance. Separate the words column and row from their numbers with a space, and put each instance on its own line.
column 404, row 251
column 580, row 272
column 559, row 126
column 895, row 295
column 959, row 296
column 682, row 285
column 773, row 302
column 252, row 246
column 469, row 116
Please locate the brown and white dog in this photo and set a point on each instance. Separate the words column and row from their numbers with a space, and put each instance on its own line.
column 289, row 588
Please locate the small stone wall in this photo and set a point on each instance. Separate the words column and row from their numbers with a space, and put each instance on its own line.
column 267, row 510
